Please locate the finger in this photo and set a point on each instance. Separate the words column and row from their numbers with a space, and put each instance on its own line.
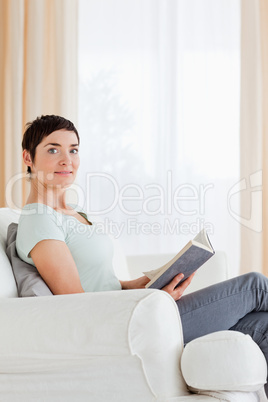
column 181, row 287
column 172, row 284
column 185, row 283
column 176, row 280
column 190, row 278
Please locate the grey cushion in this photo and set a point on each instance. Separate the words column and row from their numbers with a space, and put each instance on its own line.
column 28, row 280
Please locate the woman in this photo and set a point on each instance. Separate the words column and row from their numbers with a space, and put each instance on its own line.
column 50, row 231
column 71, row 258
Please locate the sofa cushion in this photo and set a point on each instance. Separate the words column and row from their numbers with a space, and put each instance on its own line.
column 29, row 281
column 225, row 360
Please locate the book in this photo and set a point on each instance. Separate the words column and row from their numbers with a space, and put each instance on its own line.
column 195, row 253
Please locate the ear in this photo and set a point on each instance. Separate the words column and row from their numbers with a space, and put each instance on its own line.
column 27, row 158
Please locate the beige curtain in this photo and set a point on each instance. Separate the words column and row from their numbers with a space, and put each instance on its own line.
column 254, row 136
column 38, row 75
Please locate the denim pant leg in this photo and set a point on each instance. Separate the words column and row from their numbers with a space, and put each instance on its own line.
column 221, row 306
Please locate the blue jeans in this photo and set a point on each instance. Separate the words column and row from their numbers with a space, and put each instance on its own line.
column 238, row 304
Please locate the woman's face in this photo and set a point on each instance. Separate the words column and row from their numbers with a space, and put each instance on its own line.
column 56, row 159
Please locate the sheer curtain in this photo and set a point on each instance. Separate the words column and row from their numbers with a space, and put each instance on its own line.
column 159, row 85
column 254, row 135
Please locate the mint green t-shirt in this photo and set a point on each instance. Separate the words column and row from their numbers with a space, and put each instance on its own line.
column 91, row 251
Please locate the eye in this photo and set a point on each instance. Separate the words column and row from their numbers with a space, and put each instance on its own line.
column 52, row 150
column 74, row 151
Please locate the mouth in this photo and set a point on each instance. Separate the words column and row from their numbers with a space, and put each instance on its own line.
column 63, row 173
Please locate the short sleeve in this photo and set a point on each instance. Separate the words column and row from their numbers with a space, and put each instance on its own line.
column 35, row 227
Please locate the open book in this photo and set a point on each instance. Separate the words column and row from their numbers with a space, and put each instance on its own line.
column 189, row 259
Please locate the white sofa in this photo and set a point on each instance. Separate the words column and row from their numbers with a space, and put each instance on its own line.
column 117, row 346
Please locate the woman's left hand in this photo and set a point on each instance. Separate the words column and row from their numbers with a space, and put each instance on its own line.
column 175, row 288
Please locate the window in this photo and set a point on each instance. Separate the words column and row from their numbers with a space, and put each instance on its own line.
column 159, row 120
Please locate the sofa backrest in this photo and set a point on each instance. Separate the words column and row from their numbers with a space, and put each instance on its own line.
column 215, row 270
column 8, row 286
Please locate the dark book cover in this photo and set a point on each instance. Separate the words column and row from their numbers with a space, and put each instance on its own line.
column 187, row 263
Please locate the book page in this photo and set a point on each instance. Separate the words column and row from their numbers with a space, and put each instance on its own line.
column 202, row 238
column 153, row 273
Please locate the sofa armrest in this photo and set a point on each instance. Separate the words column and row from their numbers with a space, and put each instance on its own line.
column 134, row 334
column 223, row 361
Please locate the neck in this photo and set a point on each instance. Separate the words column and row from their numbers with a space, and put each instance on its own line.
column 54, row 197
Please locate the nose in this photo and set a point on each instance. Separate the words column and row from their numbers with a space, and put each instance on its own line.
column 66, row 159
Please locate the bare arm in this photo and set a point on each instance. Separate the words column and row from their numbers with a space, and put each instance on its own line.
column 56, row 265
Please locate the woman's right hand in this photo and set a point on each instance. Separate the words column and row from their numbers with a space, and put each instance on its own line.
column 175, row 289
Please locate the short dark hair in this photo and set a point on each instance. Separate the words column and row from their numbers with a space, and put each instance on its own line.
column 41, row 127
